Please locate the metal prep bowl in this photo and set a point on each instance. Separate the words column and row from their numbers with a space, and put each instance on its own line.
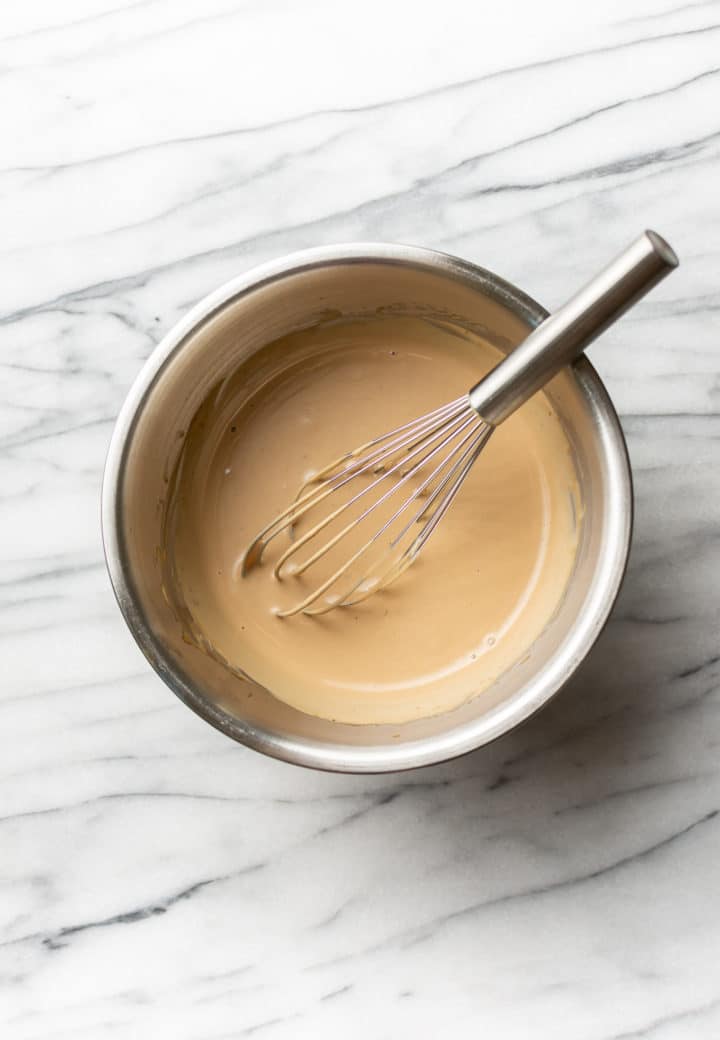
column 236, row 321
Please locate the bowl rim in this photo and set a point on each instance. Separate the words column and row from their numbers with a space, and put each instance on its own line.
column 365, row 758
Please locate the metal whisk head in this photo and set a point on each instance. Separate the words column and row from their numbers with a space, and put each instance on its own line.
column 380, row 503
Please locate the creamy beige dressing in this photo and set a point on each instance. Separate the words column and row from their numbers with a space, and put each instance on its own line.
column 486, row 584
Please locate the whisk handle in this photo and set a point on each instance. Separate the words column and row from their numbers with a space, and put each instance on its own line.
column 563, row 336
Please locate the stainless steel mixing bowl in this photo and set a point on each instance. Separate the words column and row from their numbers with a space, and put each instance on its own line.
column 234, row 322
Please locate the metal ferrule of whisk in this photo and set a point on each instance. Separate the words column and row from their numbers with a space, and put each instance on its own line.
column 404, row 481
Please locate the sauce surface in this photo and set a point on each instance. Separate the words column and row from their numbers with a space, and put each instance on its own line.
column 483, row 589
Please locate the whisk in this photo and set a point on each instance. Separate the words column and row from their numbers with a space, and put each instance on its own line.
column 385, row 498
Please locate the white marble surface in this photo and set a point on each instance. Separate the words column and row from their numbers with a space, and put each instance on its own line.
column 157, row 880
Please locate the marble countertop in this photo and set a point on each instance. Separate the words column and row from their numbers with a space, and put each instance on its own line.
column 157, row 880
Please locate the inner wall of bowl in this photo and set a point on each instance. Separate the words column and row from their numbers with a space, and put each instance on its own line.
column 212, row 351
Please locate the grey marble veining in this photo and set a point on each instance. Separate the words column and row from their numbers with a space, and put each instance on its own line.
column 155, row 879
